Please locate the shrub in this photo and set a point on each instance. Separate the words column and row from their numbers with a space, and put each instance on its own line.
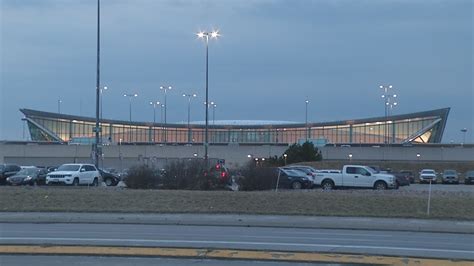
column 188, row 174
column 257, row 178
column 142, row 177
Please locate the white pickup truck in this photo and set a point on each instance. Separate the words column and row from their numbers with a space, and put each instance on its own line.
column 355, row 176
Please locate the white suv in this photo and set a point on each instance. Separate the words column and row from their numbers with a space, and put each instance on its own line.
column 427, row 175
column 74, row 174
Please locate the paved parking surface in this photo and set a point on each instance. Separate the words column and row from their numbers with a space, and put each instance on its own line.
column 439, row 187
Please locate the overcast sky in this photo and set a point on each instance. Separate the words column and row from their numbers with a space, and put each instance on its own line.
column 272, row 55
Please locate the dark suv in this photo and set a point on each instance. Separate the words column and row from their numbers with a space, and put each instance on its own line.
column 7, row 170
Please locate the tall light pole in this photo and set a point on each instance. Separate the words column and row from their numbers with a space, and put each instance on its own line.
column 97, row 130
column 206, row 35
column 306, row 119
column 59, row 106
column 102, row 89
column 165, row 89
column 389, row 103
column 120, row 154
column 154, row 104
column 214, row 105
column 189, row 113
column 130, row 96
column 463, row 132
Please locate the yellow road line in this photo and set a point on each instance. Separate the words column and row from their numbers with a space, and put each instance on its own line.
column 225, row 254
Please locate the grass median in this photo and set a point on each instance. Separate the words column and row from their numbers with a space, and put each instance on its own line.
column 402, row 204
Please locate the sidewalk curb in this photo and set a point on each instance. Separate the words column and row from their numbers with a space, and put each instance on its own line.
column 313, row 222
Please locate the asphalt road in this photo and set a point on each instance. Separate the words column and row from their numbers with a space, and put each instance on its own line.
column 410, row 244
column 14, row 260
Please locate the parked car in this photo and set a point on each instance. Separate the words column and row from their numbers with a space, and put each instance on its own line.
column 401, row 179
column 293, row 179
column 410, row 175
column 308, row 170
column 74, row 174
column 450, row 176
column 110, row 179
column 427, row 175
column 469, row 177
column 7, row 170
column 28, row 176
column 221, row 174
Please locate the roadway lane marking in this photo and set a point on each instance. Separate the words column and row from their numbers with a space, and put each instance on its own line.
column 225, row 254
column 246, row 243
column 276, row 237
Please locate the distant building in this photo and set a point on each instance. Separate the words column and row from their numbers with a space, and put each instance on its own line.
column 421, row 127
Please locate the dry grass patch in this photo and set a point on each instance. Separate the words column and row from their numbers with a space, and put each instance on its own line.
column 403, row 204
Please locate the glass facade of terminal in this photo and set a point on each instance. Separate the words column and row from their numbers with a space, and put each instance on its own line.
column 422, row 127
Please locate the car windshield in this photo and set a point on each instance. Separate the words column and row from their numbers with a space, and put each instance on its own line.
column 27, row 171
column 450, row 172
column 427, row 172
column 68, row 167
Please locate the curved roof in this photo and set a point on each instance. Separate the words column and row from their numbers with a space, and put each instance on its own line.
column 440, row 113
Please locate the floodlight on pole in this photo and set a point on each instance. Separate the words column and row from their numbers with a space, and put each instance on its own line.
column 59, row 106
column 165, row 89
column 193, row 95
column 205, row 36
column 306, row 119
column 389, row 103
column 130, row 96
column 154, row 104
column 463, row 132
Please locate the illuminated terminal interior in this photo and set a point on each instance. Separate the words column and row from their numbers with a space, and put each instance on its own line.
column 421, row 127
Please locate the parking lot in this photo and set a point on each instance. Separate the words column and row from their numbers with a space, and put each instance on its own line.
column 439, row 187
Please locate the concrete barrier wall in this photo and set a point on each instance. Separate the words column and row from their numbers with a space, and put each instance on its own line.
column 235, row 155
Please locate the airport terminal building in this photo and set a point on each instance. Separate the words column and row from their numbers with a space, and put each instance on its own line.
column 417, row 128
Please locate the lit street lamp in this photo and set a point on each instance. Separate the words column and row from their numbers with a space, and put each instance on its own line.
column 154, row 104
column 389, row 103
column 165, row 89
column 120, row 154
column 350, row 157
column 102, row 89
column 306, row 119
column 130, row 96
column 101, row 100
column 189, row 113
column 284, row 156
column 59, row 106
column 206, row 35
column 214, row 105
column 463, row 131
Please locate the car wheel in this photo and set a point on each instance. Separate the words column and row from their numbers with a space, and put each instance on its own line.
column 95, row 183
column 296, row 185
column 327, row 185
column 109, row 182
column 380, row 185
column 397, row 186
column 75, row 182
